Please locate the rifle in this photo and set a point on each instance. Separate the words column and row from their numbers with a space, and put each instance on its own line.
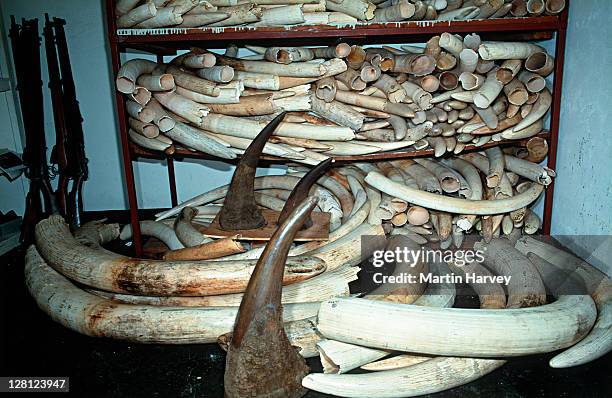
column 25, row 44
column 76, row 168
column 58, row 154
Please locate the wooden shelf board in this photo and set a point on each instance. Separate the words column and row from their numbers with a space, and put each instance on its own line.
column 536, row 28
column 140, row 152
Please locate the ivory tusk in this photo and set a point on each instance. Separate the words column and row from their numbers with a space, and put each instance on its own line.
column 454, row 205
column 395, row 13
column 287, row 55
column 396, row 362
column 531, row 329
column 471, row 81
column 124, row 6
column 220, row 74
column 193, row 83
column 300, row 69
column 165, row 16
column 112, row 272
column 541, row 106
column 199, row 140
column 496, row 166
column 148, row 130
column 532, row 171
column 458, row 14
column 415, row 64
column 491, row 51
column 240, row 14
column 182, row 106
column 599, row 341
column 489, row 91
column 149, row 143
column 533, row 82
column 199, row 20
column 360, row 9
column 537, row 149
column 206, row 251
column 186, row 232
column 540, row 63
column 161, row 118
column 535, row 7
column 156, row 229
column 451, row 43
column 530, row 131
column 327, row 285
column 374, row 103
column 490, row 8
column 392, row 89
column 338, row 113
column 227, row 95
column 555, row 7
column 525, row 287
column 519, row 8
column 352, row 79
column 244, row 128
column 81, row 311
column 137, row 15
column 341, row 50
column 326, row 89
column 282, row 16
column 129, row 73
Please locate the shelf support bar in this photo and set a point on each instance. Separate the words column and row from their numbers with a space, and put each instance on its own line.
column 125, row 142
column 555, row 119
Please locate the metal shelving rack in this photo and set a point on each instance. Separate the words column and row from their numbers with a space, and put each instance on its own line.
column 166, row 41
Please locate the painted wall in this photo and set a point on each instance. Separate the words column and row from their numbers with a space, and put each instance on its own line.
column 583, row 192
column 585, row 145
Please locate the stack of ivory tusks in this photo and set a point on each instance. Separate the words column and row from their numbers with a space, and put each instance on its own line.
column 183, row 14
column 452, row 94
column 349, row 333
column 428, row 201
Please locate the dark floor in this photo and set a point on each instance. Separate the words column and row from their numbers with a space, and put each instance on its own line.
column 33, row 345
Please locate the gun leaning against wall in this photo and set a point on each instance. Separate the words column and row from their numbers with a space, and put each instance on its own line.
column 69, row 153
column 25, row 44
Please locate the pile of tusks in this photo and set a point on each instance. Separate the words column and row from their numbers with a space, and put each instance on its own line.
column 150, row 14
column 409, row 339
column 451, row 94
column 426, row 200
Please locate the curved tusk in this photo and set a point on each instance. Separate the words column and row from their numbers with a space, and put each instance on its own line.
column 599, row 340
column 156, row 229
column 525, row 287
column 325, row 286
column 129, row 73
column 112, row 272
column 186, row 232
column 541, row 106
column 454, row 205
column 406, row 382
column 383, row 325
column 91, row 315
column 492, row 51
column 216, row 249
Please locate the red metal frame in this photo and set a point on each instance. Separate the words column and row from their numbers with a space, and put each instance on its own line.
column 555, row 116
column 539, row 28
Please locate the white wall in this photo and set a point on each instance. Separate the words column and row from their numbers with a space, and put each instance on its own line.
column 583, row 192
